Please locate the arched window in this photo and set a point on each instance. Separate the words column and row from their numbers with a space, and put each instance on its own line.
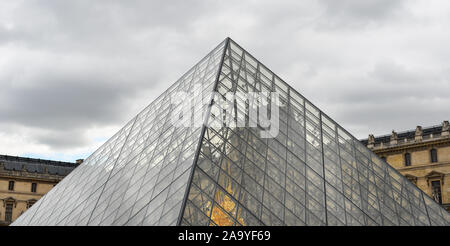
column 31, row 202
column 433, row 155
column 407, row 159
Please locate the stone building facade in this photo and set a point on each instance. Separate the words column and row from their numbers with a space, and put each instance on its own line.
column 421, row 155
column 24, row 180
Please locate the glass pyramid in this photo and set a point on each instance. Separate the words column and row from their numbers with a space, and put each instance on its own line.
column 197, row 170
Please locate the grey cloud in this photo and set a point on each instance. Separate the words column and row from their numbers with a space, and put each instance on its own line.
column 60, row 97
column 62, row 140
column 67, row 103
column 391, row 82
column 390, row 96
column 99, row 27
column 383, row 117
column 355, row 13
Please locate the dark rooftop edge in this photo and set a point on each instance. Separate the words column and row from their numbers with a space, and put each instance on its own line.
column 36, row 160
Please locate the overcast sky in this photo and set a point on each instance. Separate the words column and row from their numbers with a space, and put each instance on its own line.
column 72, row 73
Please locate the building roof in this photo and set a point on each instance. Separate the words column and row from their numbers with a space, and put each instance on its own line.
column 435, row 130
column 16, row 163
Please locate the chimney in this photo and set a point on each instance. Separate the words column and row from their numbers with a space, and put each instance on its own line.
column 445, row 128
column 79, row 161
column 419, row 133
column 394, row 138
column 370, row 141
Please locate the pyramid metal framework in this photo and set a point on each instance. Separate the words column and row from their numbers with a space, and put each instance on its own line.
column 312, row 172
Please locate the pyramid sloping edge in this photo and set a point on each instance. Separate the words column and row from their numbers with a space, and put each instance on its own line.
column 355, row 187
column 124, row 177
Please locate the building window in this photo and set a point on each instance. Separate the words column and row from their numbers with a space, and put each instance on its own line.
column 11, row 185
column 436, row 191
column 433, row 153
column 33, row 187
column 407, row 159
column 8, row 211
